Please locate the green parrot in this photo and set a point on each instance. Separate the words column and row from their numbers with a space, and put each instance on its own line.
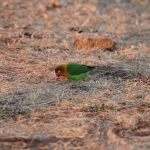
column 73, row 71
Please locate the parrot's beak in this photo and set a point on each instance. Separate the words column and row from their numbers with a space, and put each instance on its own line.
column 57, row 74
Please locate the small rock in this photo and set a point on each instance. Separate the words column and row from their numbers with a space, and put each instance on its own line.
column 55, row 4
column 91, row 40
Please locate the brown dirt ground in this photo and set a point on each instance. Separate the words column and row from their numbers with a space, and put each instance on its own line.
column 110, row 109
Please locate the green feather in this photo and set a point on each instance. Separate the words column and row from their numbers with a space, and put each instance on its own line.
column 78, row 71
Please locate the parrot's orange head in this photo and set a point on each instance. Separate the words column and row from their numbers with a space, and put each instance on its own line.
column 61, row 71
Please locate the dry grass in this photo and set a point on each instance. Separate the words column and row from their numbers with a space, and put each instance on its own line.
column 110, row 109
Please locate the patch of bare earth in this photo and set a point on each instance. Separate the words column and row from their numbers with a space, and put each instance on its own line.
column 109, row 109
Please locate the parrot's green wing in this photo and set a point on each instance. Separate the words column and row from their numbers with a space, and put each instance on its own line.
column 78, row 71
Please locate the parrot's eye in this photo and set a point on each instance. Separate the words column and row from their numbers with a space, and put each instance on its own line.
column 58, row 71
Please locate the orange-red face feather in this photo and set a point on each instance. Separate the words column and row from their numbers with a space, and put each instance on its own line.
column 62, row 71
